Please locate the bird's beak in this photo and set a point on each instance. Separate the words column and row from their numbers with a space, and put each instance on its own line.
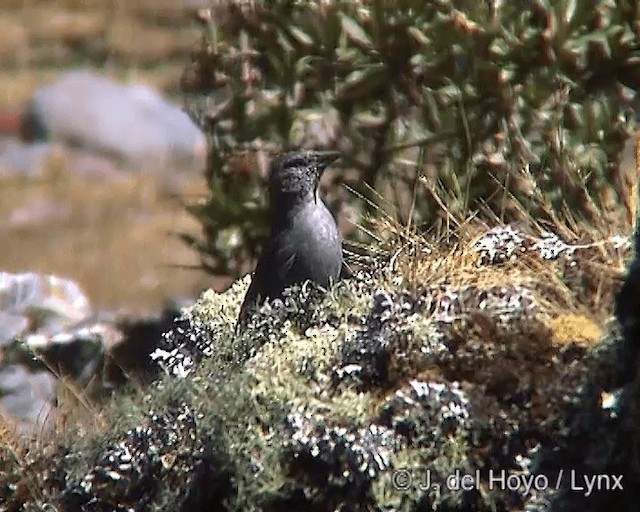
column 325, row 158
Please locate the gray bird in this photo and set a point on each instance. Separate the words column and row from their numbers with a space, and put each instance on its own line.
column 304, row 243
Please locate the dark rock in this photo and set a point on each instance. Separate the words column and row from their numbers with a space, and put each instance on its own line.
column 139, row 338
column 366, row 358
column 337, row 462
column 126, row 472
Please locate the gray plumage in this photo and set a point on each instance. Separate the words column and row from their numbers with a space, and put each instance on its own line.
column 304, row 242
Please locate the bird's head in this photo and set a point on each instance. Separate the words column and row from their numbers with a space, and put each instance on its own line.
column 296, row 174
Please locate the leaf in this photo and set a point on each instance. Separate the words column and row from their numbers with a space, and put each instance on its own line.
column 627, row 38
column 575, row 51
column 284, row 43
column 498, row 48
column 368, row 119
column 347, row 55
column 432, row 111
column 569, row 12
column 574, row 116
column 305, row 64
column 448, row 94
column 300, row 36
column 419, row 36
column 362, row 82
column 599, row 44
column 355, row 32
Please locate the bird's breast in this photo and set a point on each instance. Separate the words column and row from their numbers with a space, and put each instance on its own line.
column 318, row 244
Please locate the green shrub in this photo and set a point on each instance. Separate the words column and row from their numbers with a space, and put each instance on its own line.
column 511, row 108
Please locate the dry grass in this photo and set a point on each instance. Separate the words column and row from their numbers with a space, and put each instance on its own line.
column 586, row 288
column 582, row 293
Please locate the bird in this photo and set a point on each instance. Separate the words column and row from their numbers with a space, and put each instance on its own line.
column 304, row 241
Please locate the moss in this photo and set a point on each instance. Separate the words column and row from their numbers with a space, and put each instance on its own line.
column 325, row 395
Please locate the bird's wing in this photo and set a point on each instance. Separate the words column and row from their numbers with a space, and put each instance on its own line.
column 272, row 270
column 276, row 269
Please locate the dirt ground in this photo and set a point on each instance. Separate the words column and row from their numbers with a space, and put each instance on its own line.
column 113, row 236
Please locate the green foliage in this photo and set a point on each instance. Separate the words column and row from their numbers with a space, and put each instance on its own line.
column 515, row 108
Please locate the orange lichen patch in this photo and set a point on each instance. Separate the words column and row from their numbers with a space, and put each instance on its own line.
column 574, row 329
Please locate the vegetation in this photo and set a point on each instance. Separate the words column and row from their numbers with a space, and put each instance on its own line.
column 500, row 109
column 489, row 354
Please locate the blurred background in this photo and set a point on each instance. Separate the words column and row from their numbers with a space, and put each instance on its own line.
column 90, row 167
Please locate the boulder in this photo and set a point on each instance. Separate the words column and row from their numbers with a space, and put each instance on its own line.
column 133, row 123
column 26, row 398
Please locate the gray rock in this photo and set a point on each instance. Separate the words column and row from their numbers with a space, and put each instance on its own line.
column 11, row 326
column 133, row 123
column 47, row 301
column 26, row 397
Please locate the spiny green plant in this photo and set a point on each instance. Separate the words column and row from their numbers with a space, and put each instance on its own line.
column 514, row 108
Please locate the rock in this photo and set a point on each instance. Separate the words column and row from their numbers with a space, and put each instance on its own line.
column 37, row 159
column 51, row 317
column 11, row 326
column 133, row 123
column 34, row 308
column 139, row 338
column 26, row 398
column 46, row 323
column 77, row 352
column 50, row 303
